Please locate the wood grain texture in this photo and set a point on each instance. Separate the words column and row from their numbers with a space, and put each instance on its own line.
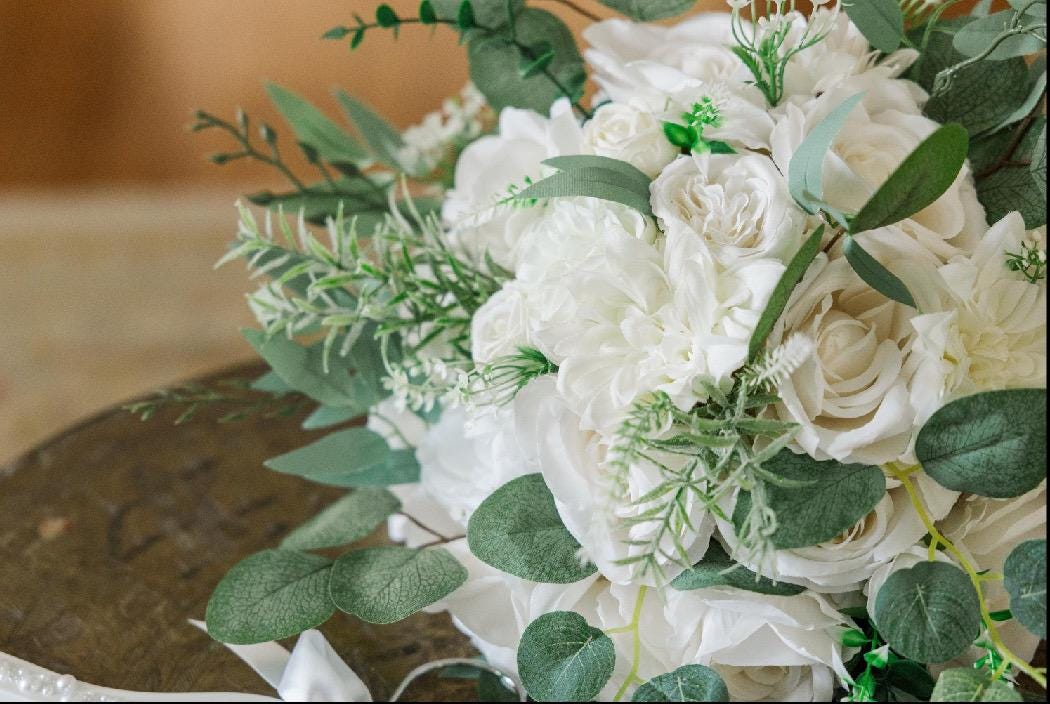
column 113, row 533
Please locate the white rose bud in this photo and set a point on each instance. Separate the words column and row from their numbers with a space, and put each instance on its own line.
column 628, row 133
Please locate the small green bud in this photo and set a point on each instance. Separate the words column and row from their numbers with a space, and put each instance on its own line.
column 465, row 16
column 268, row 134
column 310, row 152
column 242, row 119
column 358, row 37
column 854, row 638
column 386, row 17
column 679, row 135
column 219, row 159
column 427, row 15
column 1004, row 615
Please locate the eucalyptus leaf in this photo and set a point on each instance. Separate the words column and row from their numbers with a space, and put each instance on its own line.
column 563, row 659
column 778, row 300
column 595, row 182
column 806, row 169
column 271, row 383
column 312, row 128
column 717, row 569
column 495, row 60
column 270, row 595
column 690, row 683
column 1035, row 94
column 825, row 498
column 390, row 583
column 977, row 36
column 911, row 677
column 352, row 457
column 875, row 274
column 348, row 520
column 629, row 175
column 921, row 179
column 384, row 141
column 991, row 443
column 649, row 10
column 327, row 416
column 1025, row 580
column 1020, row 186
column 517, row 530
column 930, row 612
column 880, row 21
column 302, row 368
column 965, row 684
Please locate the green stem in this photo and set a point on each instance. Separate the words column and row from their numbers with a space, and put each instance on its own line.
column 636, row 644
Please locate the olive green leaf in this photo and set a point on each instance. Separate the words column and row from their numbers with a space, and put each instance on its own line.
column 563, row 659
column 875, row 274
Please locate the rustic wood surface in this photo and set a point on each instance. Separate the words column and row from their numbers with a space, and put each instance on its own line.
column 113, row 533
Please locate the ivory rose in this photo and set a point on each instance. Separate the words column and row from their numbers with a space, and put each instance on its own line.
column 630, row 133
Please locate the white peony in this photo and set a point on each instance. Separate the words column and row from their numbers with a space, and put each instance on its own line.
column 881, row 131
column 983, row 325
column 500, row 326
column 738, row 205
column 629, row 133
column 490, row 166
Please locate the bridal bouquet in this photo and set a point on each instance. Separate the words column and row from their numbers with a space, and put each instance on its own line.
column 719, row 376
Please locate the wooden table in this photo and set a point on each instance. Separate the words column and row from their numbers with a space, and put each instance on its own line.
column 114, row 532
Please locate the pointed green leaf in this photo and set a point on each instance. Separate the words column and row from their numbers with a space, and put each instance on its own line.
column 631, row 175
column 348, row 520
column 563, row 659
column 875, row 274
column 978, row 35
column 313, row 128
column 388, row 584
column 352, row 457
column 691, row 683
column 991, row 444
column 806, row 170
column 517, row 529
column 929, row 612
column 270, row 595
column 880, row 21
column 594, row 177
column 794, row 272
column 1025, row 581
column 921, row 179
column 327, row 416
column 384, row 141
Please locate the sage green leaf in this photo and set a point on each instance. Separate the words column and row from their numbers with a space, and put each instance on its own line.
column 271, row 383
column 517, row 529
column 495, row 59
column 490, row 13
column 349, row 519
column 806, row 169
column 302, row 368
column 977, row 36
column 563, row 659
column 384, row 141
column 875, row 274
column 327, row 416
column 991, row 443
column 352, row 457
column 986, row 151
column 965, row 684
column 1037, row 167
column 825, row 498
column 880, row 21
column 929, row 612
column 270, row 595
column 921, row 179
column 717, row 569
column 778, row 300
column 593, row 182
column 1020, row 187
column 388, row 584
column 981, row 95
column 311, row 127
column 649, row 10
column 1025, row 580
column 691, row 683
column 1035, row 94
column 631, row 176
column 1037, row 8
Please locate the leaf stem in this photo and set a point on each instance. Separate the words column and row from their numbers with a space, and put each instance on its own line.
column 1009, row 657
column 636, row 644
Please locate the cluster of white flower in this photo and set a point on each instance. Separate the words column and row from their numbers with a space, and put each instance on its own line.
column 625, row 306
column 459, row 121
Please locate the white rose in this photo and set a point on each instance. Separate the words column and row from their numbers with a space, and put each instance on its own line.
column 500, row 326
column 738, row 205
column 851, row 397
column 594, row 504
column 490, row 166
column 881, row 131
column 843, row 52
column 629, row 133
column 983, row 326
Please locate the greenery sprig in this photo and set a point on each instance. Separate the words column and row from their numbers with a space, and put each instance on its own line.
column 249, row 401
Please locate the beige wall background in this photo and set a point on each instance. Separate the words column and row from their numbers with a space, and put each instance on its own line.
column 111, row 218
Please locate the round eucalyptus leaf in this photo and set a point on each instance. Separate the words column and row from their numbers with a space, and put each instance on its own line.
column 390, row 583
column 965, row 684
column 270, row 595
column 691, row 683
column 929, row 612
column 1025, row 580
column 517, row 529
column 347, row 520
column 563, row 659
column 992, row 443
